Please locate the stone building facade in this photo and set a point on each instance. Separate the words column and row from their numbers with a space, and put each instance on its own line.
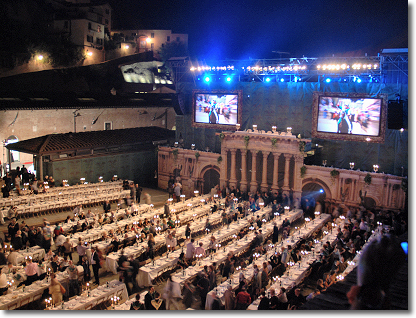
column 271, row 161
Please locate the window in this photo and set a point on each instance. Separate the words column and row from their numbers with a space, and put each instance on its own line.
column 107, row 11
column 90, row 38
column 143, row 44
column 168, row 39
column 99, row 28
column 152, row 35
column 66, row 25
column 108, row 125
column 106, row 21
column 177, row 39
column 99, row 41
column 133, row 34
column 152, row 46
column 89, row 26
column 163, row 45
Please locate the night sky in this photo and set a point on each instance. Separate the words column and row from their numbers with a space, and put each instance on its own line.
column 240, row 29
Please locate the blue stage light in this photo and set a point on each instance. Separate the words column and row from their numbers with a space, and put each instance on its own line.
column 207, row 79
column 267, row 79
column 282, row 79
column 322, row 190
column 328, row 80
column 405, row 247
column 228, row 79
column 358, row 80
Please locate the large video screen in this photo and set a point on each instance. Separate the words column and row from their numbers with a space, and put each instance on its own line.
column 349, row 116
column 217, row 109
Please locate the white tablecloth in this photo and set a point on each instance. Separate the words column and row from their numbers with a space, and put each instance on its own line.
column 97, row 296
column 17, row 298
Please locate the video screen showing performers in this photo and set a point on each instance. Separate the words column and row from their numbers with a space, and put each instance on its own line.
column 216, row 109
column 353, row 116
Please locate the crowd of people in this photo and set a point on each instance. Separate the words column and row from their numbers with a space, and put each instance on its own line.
column 331, row 259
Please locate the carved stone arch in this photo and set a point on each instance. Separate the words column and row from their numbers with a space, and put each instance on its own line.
column 323, row 184
column 371, row 202
column 210, row 176
column 206, row 168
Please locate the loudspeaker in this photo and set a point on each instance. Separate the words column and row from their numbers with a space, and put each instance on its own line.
column 395, row 115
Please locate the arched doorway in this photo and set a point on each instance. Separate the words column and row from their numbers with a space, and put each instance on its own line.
column 313, row 194
column 211, row 178
column 369, row 203
column 13, row 156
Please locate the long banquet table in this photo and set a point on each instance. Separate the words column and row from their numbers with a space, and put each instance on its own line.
column 97, row 296
column 295, row 275
column 18, row 297
column 150, row 271
column 64, row 197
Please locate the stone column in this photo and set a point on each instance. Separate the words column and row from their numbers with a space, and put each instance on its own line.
column 243, row 183
column 233, row 179
column 264, row 186
column 275, row 185
column 389, row 194
column 286, row 179
column 40, row 165
column 354, row 190
column 253, row 183
column 223, row 167
column 297, row 184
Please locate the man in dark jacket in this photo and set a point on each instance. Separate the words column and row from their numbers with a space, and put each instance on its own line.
column 203, row 288
column 148, row 299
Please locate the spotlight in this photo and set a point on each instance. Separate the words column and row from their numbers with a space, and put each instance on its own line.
column 282, row 79
column 321, row 191
column 358, row 80
column 207, row 79
column 267, row 79
column 328, row 80
column 228, row 79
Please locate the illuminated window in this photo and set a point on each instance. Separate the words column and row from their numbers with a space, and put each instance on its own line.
column 99, row 28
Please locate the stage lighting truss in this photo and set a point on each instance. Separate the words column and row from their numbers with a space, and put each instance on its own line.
column 351, row 69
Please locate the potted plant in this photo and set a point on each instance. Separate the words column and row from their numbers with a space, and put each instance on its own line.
column 246, row 140
column 302, row 171
column 222, row 136
column 175, row 154
column 367, row 179
column 197, row 156
column 302, row 146
column 219, row 159
column 334, row 173
column 274, row 142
